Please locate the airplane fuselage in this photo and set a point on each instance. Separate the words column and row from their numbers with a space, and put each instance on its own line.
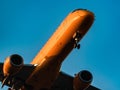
column 54, row 52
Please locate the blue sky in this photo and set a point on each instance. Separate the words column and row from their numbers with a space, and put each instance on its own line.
column 25, row 26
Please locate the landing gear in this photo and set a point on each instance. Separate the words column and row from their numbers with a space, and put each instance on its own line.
column 5, row 80
column 13, row 82
column 77, row 46
column 77, row 37
column 10, row 89
column 17, row 84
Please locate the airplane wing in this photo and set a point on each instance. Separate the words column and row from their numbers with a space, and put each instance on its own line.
column 65, row 82
column 21, row 76
column 1, row 71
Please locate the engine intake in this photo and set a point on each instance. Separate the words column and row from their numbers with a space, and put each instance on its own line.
column 82, row 80
column 12, row 65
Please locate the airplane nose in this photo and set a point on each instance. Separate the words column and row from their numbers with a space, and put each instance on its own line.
column 85, row 18
column 87, row 14
column 78, row 9
column 84, row 12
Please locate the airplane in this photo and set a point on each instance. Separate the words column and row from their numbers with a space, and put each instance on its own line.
column 43, row 73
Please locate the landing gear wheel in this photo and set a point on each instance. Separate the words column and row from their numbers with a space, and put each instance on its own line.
column 78, row 46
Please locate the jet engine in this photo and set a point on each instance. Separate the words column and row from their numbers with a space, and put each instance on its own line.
column 12, row 65
column 82, row 80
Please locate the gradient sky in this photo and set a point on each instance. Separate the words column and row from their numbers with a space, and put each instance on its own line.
column 25, row 26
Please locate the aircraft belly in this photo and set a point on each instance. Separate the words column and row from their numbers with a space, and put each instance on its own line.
column 45, row 74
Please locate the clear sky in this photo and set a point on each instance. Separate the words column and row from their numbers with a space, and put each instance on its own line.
column 25, row 26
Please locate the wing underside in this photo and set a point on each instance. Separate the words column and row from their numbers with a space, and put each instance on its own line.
column 21, row 76
column 65, row 82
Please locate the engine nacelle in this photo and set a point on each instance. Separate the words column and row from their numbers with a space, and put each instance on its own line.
column 82, row 80
column 12, row 65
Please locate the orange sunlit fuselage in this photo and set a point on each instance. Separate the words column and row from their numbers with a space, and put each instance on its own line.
column 54, row 52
